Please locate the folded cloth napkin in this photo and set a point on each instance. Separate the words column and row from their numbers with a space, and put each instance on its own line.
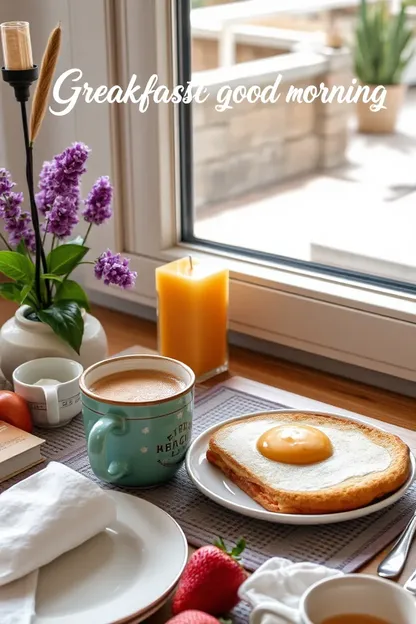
column 275, row 589
column 42, row 517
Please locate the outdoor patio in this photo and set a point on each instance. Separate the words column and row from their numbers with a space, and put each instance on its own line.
column 298, row 180
column 361, row 215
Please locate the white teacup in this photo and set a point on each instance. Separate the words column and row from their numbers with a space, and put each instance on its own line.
column 358, row 594
column 51, row 388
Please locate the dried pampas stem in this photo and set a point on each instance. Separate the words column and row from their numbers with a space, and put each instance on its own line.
column 47, row 70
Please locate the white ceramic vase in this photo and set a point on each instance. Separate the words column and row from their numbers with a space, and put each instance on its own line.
column 22, row 340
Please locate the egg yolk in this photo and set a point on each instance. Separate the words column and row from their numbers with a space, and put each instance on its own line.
column 295, row 444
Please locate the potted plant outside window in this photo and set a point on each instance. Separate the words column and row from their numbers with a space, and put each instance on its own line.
column 383, row 49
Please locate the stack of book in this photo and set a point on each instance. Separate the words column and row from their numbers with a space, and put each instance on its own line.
column 19, row 451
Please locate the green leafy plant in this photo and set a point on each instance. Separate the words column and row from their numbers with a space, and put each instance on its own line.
column 383, row 45
column 51, row 296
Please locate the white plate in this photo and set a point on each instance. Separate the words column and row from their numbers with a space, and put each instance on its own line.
column 147, row 614
column 214, row 484
column 120, row 574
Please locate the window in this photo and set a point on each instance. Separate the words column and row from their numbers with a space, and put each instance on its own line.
column 277, row 294
column 291, row 182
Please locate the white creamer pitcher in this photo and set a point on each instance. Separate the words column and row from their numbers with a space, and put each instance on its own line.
column 51, row 388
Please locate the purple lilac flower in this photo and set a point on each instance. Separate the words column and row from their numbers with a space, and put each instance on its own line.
column 113, row 269
column 62, row 218
column 10, row 205
column 98, row 202
column 6, row 184
column 61, row 176
column 9, row 201
column 19, row 228
column 17, row 224
column 41, row 202
column 46, row 195
column 70, row 165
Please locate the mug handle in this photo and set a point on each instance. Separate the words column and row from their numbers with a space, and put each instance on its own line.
column 111, row 423
column 52, row 404
column 285, row 614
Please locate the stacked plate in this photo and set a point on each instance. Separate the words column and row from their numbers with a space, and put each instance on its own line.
column 121, row 576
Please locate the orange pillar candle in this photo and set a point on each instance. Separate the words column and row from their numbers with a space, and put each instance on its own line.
column 192, row 314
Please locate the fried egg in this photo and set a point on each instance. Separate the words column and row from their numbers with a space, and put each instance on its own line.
column 295, row 444
column 277, row 454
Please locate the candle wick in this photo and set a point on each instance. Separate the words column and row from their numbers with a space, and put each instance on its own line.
column 191, row 264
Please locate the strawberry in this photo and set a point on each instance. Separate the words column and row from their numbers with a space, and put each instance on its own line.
column 193, row 617
column 211, row 580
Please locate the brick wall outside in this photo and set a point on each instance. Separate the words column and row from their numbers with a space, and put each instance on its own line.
column 205, row 53
column 253, row 146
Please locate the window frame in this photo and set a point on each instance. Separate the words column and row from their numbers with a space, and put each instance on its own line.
column 184, row 60
column 352, row 322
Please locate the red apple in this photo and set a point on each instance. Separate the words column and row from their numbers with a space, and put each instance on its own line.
column 15, row 411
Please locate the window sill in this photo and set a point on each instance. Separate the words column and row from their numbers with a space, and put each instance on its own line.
column 349, row 323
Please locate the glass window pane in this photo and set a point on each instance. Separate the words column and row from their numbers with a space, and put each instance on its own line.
column 324, row 184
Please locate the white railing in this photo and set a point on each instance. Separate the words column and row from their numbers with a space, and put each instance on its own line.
column 228, row 16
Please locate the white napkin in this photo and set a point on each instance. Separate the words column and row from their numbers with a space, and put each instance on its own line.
column 42, row 517
column 275, row 589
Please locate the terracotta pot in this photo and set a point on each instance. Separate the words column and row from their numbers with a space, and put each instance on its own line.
column 22, row 340
column 384, row 120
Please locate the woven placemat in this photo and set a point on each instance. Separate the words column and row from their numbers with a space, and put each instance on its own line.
column 345, row 546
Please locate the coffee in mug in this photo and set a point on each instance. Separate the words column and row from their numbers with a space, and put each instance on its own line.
column 138, row 385
column 137, row 412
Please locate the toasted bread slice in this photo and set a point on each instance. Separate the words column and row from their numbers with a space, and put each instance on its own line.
column 367, row 464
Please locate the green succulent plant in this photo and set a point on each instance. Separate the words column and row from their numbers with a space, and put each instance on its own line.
column 384, row 44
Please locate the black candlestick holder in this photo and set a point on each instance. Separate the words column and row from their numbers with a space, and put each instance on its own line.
column 20, row 80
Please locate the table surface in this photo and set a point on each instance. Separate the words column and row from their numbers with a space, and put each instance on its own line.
column 385, row 407
column 408, row 435
column 268, row 392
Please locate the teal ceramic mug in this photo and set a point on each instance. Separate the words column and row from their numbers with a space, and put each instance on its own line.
column 141, row 443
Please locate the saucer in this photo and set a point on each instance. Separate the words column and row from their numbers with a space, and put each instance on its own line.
column 215, row 485
column 127, row 571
